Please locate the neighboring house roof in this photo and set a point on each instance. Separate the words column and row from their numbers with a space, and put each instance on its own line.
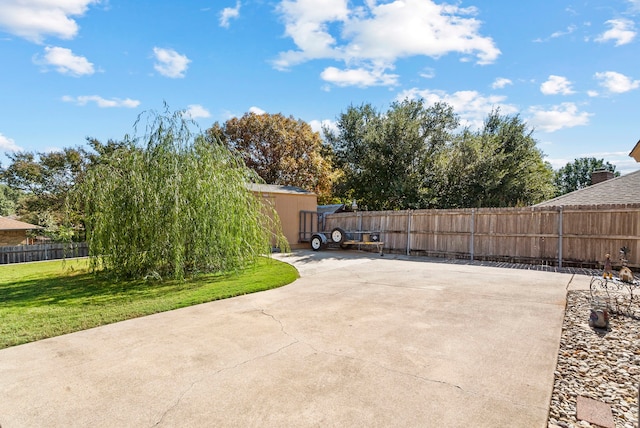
column 10, row 224
column 620, row 190
column 275, row 188
column 635, row 153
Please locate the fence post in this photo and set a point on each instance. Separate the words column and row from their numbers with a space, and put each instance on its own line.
column 408, row 232
column 473, row 230
column 560, row 215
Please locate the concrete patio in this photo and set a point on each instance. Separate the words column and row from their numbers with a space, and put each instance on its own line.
column 358, row 340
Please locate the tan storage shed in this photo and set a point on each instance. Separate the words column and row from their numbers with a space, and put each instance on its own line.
column 288, row 201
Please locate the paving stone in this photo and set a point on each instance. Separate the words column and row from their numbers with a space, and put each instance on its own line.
column 595, row 412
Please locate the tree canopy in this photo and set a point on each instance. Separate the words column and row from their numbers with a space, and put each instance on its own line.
column 577, row 174
column 8, row 200
column 281, row 150
column 44, row 179
column 386, row 159
column 496, row 166
column 413, row 157
column 172, row 205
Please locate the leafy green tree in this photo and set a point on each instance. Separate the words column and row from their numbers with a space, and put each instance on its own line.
column 44, row 180
column 577, row 174
column 411, row 157
column 174, row 205
column 465, row 172
column 101, row 152
column 281, row 150
column 518, row 175
column 386, row 160
column 495, row 167
column 8, row 200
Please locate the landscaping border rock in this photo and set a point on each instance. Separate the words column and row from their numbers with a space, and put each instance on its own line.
column 601, row 364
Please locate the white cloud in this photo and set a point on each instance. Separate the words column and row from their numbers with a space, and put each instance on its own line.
column 8, row 145
column 556, row 85
column 227, row 114
column 358, row 77
column 565, row 115
column 317, row 126
column 623, row 162
column 65, row 62
column 616, row 82
column 501, row 82
column 471, row 106
column 570, row 29
column 592, row 93
column 635, row 5
column 196, row 111
column 229, row 13
column 557, row 163
column 306, row 23
column 170, row 63
column 52, row 149
column 372, row 37
column 101, row 102
column 35, row 19
column 428, row 73
column 604, row 154
column 622, row 32
column 256, row 110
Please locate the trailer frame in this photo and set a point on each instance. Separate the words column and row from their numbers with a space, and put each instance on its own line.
column 339, row 238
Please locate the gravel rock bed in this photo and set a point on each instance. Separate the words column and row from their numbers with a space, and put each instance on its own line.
column 601, row 364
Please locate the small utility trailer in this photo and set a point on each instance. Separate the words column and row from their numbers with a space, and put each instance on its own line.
column 345, row 239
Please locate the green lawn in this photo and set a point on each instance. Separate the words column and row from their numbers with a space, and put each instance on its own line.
column 46, row 299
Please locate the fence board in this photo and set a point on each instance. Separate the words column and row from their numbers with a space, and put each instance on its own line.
column 40, row 252
column 530, row 234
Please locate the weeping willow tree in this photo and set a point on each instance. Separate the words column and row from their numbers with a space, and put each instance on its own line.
column 173, row 205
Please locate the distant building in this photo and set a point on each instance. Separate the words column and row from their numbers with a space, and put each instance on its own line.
column 619, row 190
column 14, row 232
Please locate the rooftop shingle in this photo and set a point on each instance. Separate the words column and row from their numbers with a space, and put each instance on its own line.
column 620, row 190
column 10, row 224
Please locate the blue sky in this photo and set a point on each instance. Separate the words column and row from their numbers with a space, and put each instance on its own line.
column 73, row 69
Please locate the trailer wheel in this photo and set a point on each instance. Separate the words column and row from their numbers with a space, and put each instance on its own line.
column 337, row 235
column 316, row 243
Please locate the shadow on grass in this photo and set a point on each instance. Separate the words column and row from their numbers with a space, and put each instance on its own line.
column 73, row 288
column 45, row 300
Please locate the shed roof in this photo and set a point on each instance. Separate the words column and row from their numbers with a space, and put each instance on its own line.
column 620, row 190
column 276, row 188
column 7, row 223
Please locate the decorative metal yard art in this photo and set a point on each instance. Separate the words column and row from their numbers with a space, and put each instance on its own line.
column 613, row 295
column 625, row 273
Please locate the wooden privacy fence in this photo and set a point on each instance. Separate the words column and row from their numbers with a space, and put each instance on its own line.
column 560, row 236
column 33, row 253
